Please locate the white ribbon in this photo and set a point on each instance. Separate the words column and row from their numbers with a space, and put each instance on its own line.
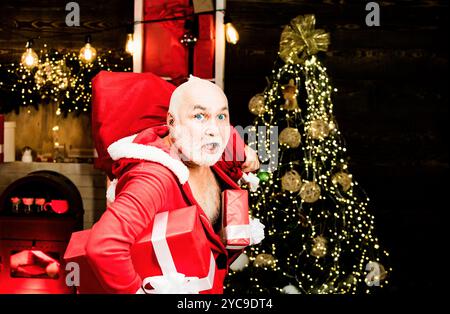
column 252, row 180
column 254, row 231
column 171, row 281
column 234, row 232
column 175, row 283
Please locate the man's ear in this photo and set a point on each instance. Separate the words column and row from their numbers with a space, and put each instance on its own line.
column 170, row 119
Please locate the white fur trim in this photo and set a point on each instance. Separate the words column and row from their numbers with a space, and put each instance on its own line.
column 256, row 231
column 111, row 191
column 125, row 148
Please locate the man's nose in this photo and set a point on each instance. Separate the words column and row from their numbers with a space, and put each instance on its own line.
column 212, row 129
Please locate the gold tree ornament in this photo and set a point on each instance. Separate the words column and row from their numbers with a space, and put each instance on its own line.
column 383, row 272
column 263, row 259
column 318, row 129
column 310, row 192
column 319, row 248
column 300, row 39
column 290, row 93
column 290, row 137
column 256, row 105
column 343, row 179
column 291, row 181
column 376, row 273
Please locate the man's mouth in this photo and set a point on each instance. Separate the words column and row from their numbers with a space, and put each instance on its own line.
column 211, row 148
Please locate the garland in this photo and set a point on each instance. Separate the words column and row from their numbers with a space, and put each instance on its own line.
column 60, row 78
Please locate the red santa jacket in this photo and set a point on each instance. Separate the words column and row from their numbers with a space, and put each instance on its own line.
column 150, row 180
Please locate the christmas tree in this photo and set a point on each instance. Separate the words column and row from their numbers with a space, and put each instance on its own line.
column 319, row 232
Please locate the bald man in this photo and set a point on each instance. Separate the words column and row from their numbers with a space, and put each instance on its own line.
column 161, row 169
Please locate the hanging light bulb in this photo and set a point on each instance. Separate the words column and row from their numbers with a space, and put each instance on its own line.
column 88, row 53
column 29, row 57
column 231, row 33
column 130, row 46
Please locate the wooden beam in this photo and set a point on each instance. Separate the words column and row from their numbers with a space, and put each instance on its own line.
column 138, row 35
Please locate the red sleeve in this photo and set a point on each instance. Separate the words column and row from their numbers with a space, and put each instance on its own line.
column 143, row 190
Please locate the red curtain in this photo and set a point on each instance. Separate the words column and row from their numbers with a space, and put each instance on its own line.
column 163, row 53
column 205, row 47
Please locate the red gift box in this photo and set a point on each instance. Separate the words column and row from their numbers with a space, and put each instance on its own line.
column 176, row 243
column 76, row 253
column 235, row 219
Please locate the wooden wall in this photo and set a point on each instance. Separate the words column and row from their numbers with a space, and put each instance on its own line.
column 391, row 105
column 74, row 131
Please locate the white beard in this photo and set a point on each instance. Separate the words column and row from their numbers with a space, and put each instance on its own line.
column 192, row 150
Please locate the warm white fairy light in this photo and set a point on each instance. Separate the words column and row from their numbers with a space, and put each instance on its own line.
column 320, row 158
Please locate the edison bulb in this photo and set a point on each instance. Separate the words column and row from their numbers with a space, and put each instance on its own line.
column 129, row 46
column 88, row 53
column 231, row 34
column 29, row 58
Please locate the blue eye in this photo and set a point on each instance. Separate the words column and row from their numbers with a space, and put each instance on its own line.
column 221, row 116
column 199, row 116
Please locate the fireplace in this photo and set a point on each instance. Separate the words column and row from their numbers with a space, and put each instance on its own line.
column 38, row 213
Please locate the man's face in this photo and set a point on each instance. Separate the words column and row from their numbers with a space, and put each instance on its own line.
column 201, row 129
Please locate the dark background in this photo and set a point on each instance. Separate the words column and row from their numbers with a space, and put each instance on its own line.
column 391, row 104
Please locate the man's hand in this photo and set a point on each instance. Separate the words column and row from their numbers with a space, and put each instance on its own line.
column 251, row 160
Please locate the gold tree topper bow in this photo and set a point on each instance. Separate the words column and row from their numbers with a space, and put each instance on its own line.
column 300, row 39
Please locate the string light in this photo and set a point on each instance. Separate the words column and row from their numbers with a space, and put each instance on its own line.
column 88, row 53
column 231, row 34
column 29, row 58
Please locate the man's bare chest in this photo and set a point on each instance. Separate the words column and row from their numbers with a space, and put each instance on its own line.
column 207, row 193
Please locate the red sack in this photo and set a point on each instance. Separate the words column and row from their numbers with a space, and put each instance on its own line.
column 124, row 104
